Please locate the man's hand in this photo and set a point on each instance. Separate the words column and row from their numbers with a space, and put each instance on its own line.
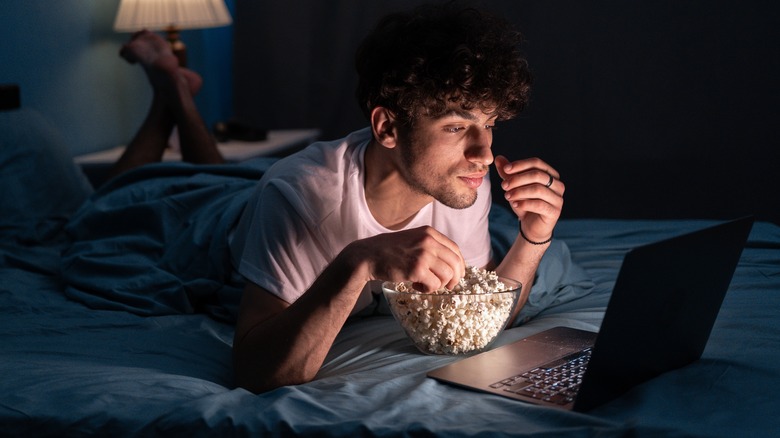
column 424, row 256
column 535, row 193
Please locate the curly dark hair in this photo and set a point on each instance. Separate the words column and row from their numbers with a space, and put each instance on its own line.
column 419, row 62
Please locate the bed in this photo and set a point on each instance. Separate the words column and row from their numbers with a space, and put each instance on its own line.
column 127, row 333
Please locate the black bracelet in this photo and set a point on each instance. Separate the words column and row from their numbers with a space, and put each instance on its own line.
column 520, row 227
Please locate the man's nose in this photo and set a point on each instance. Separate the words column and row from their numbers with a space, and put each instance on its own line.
column 479, row 149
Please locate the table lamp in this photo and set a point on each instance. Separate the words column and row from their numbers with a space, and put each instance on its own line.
column 171, row 16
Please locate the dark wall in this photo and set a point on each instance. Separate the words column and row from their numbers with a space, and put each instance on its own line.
column 649, row 109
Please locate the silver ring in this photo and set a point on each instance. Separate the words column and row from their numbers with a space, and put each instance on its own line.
column 549, row 183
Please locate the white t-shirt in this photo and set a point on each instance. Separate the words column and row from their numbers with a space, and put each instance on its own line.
column 310, row 205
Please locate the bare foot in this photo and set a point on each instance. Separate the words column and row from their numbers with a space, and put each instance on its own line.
column 150, row 50
column 161, row 65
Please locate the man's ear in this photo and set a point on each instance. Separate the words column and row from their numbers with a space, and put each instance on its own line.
column 384, row 126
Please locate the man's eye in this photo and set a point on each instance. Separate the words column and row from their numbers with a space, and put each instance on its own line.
column 491, row 127
column 453, row 129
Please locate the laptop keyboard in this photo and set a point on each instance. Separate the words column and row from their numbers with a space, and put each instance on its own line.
column 555, row 382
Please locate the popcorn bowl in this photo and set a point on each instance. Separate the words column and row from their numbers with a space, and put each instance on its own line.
column 452, row 323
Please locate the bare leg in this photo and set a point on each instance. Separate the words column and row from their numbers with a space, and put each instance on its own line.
column 172, row 105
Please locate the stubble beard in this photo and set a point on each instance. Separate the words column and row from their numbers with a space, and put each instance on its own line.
column 434, row 185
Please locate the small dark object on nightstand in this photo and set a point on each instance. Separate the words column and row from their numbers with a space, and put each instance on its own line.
column 9, row 97
column 225, row 131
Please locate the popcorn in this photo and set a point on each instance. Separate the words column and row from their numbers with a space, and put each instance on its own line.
column 463, row 320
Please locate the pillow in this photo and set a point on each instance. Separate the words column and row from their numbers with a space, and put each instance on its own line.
column 41, row 185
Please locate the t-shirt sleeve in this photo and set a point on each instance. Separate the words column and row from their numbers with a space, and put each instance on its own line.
column 273, row 245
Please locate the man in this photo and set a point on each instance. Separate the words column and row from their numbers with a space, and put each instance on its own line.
column 405, row 199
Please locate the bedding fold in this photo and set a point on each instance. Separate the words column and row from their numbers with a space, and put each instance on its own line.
column 154, row 241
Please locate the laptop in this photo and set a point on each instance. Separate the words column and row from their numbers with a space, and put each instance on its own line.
column 659, row 318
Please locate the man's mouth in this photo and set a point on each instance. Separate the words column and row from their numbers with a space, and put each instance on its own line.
column 474, row 180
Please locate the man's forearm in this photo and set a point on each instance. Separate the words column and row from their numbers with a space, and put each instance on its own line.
column 520, row 263
column 290, row 347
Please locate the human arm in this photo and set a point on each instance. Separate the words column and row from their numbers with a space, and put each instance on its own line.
column 538, row 208
column 278, row 344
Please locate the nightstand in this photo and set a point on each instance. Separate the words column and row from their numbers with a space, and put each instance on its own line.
column 278, row 143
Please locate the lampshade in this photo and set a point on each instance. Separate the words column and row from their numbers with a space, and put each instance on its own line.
column 171, row 16
column 165, row 14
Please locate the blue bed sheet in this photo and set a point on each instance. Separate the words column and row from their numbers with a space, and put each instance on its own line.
column 72, row 370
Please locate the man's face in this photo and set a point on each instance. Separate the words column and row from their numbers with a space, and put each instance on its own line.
column 447, row 157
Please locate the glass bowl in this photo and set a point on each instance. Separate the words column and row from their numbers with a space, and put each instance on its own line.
column 451, row 323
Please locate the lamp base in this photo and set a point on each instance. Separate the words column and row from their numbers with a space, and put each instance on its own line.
column 177, row 45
